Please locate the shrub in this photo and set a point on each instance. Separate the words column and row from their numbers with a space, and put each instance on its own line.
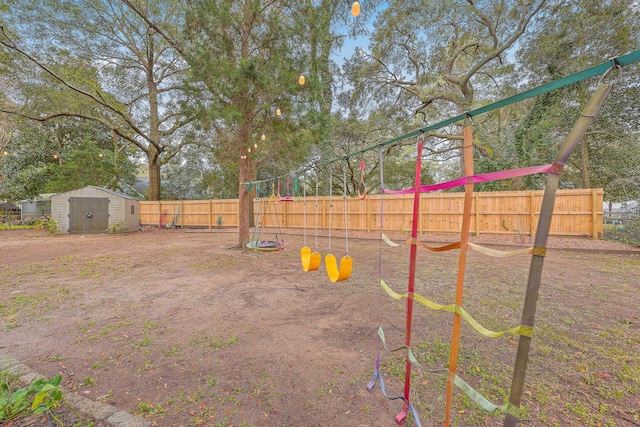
column 48, row 224
column 118, row 228
column 39, row 397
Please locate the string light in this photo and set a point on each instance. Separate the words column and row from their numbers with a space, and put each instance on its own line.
column 100, row 155
column 301, row 80
column 355, row 9
column 6, row 153
column 249, row 150
column 55, row 157
column 278, row 112
column 255, row 145
column 263, row 137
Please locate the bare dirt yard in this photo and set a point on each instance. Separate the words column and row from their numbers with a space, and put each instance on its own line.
column 186, row 330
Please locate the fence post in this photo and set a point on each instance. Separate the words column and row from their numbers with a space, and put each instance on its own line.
column 477, row 206
column 285, row 209
column 367, row 209
column 324, row 214
column 238, row 214
column 594, row 213
column 210, row 216
column 421, row 209
column 532, row 213
column 159, row 215
column 181, row 213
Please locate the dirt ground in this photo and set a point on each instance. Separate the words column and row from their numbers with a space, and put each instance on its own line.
column 185, row 329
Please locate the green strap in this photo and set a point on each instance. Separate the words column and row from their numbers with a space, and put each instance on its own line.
column 523, row 330
column 506, row 408
column 410, row 354
column 473, row 394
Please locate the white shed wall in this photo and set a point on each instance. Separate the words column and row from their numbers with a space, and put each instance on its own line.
column 119, row 208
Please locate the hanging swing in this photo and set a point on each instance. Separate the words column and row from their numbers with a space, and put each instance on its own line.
column 346, row 263
column 310, row 260
column 265, row 205
column 362, row 187
column 288, row 197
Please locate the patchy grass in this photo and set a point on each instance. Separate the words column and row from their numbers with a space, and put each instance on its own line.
column 207, row 336
column 17, row 306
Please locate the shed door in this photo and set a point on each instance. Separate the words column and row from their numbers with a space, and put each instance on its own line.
column 88, row 214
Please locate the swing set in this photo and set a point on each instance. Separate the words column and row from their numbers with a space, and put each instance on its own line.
column 311, row 259
column 511, row 408
column 267, row 206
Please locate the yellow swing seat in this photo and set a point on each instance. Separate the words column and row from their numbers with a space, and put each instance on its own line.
column 346, row 265
column 310, row 260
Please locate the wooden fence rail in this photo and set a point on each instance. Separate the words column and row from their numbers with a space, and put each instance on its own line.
column 577, row 213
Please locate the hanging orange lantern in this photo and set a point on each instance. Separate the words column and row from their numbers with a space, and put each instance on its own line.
column 355, row 9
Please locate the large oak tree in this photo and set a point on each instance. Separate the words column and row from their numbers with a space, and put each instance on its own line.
column 136, row 86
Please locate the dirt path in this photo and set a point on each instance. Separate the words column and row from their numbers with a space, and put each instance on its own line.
column 186, row 330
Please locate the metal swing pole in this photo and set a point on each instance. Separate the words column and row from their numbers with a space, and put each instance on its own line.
column 330, row 205
column 346, row 212
column 540, row 242
column 316, row 246
column 304, row 207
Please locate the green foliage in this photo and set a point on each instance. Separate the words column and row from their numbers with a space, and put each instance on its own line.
column 59, row 46
column 569, row 37
column 118, row 228
column 60, row 156
column 41, row 396
column 627, row 232
column 47, row 224
column 89, row 165
column 149, row 408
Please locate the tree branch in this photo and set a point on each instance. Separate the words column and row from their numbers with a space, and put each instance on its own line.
column 9, row 44
column 164, row 35
column 104, row 122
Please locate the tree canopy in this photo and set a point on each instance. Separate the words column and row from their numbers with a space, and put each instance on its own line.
column 98, row 61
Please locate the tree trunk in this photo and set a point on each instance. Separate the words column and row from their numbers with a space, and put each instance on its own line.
column 245, row 174
column 586, row 168
column 154, row 176
column 244, row 198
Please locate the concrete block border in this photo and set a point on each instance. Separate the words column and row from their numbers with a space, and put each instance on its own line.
column 87, row 407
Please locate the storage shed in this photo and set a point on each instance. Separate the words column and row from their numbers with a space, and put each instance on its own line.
column 94, row 210
column 34, row 209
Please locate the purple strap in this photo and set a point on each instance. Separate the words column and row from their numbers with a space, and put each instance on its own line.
column 485, row 177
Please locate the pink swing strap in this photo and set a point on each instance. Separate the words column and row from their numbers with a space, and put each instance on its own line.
column 485, row 177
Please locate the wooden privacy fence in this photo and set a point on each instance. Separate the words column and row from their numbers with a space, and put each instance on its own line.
column 576, row 213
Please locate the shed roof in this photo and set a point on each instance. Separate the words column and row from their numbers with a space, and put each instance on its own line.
column 115, row 193
column 8, row 206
